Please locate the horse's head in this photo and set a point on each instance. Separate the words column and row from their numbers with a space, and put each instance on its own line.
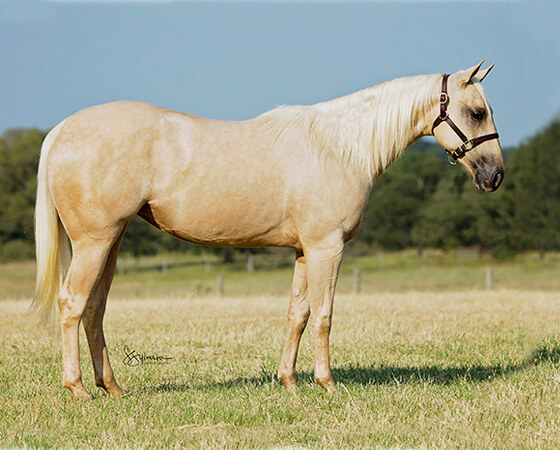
column 465, row 127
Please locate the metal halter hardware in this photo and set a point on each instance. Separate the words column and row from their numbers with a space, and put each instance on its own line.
column 468, row 144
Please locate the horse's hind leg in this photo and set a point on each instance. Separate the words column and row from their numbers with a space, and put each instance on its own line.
column 86, row 269
column 93, row 325
column 298, row 314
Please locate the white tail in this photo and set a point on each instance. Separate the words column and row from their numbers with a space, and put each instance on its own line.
column 51, row 242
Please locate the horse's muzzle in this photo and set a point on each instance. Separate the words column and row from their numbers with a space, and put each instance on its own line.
column 488, row 178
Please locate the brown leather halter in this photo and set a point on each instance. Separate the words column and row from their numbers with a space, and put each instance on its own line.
column 468, row 144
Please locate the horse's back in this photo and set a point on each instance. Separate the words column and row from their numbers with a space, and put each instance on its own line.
column 207, row 181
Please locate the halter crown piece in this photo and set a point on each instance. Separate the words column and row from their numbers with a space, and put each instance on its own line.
column 468, row 144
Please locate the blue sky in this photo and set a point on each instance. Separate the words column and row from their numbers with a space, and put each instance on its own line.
column 235, row 60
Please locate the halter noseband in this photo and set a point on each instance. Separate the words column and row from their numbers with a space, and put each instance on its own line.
column 468, row 144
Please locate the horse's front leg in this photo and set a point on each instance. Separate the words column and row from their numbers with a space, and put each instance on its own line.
column 298, row 313
column 323, row 262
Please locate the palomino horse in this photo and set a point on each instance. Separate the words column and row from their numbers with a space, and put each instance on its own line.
column 296, row 176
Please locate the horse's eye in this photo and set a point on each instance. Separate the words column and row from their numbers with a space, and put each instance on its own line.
column 478, row 114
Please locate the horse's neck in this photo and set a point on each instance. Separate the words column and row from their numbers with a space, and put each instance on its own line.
column 371, row 128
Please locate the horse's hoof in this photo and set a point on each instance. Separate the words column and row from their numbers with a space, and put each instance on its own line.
column 292, row 388
column 116, row 392
column 112, row 388
column 289, row 382
column 327, row 384
column 83, row 395
column 79, row 392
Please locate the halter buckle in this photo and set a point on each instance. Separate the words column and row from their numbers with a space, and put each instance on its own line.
column 443, row 98
column 468, row 145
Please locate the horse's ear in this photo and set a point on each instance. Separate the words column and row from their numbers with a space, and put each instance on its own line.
column 482, row 74
column 467, row 75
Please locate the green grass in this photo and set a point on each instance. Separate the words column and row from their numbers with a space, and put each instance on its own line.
column 416, row 369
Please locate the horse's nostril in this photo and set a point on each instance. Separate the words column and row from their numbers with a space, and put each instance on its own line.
column 497, row 179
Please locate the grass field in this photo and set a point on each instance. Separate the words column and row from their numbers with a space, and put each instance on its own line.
column 450, row 366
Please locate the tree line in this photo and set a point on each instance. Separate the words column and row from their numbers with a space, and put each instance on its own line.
column 420, row 202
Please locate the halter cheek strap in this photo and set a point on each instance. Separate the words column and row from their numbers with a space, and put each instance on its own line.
column 468, row 144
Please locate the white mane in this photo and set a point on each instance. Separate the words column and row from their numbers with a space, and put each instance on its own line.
column 368, row 129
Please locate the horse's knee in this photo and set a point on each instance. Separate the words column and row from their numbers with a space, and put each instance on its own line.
column 302, row 320
column 323, row 324
column 299, row 308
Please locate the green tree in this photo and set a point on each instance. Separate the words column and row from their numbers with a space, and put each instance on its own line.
column 448, row 219
column 528, row 209
column 398, row 197
column 19, row 152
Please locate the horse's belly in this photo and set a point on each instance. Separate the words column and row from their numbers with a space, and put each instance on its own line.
column 224, row 221
column 221, row 184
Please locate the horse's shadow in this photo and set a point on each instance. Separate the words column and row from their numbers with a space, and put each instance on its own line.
column 387, row 375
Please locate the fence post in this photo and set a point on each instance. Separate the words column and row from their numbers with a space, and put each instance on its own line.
column 356, row 283
column 489, row 281
column 250, row 262
column 120, row 266
column 207, row 266
column 164, row 265
column 220, row 285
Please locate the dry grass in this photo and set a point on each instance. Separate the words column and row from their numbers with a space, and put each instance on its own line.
column 452, row 369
